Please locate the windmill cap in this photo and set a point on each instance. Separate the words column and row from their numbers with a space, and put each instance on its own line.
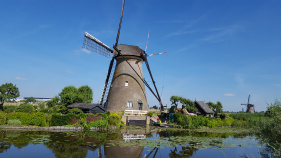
column 129, row 50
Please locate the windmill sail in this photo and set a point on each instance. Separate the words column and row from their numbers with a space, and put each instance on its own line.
column 108, row 80
column 93, row 44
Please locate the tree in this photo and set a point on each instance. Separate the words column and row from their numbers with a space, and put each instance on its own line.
column 189, row 105
column 30, row 99
column 53, row 102
column 68, row 95
column 217, row 108
column 175, row 101
column 8, row 91
column 85, row 94
column 71, row 94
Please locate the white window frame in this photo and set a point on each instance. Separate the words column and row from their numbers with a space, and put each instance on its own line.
column 129, row 104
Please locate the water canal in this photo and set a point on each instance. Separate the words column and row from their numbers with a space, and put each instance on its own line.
column 132, row 142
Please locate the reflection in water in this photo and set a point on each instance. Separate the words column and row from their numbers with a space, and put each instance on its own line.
column 128, row 142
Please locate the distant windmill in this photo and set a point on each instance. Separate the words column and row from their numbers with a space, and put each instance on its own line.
column 250, row 107
column 124, row 89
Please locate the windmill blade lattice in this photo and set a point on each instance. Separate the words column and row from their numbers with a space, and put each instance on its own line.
column 157, row 54
column 93, row 44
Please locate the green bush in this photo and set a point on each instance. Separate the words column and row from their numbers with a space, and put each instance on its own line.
column 3, row 118
column 178, row 118
column 221, row 115
column 36, row 119
column 75, row 111
column 114, row 119
column 23, row 117
column 269, row 129
column 48, row 118
column 9, row 108
column 150, row 114
column 60, row 120
column 48, row 111
column 198, row 121
column 14, row 123
column 42, row 105
column 25, row 108
column 98, row 123
column 238, row 123
column 104, row 115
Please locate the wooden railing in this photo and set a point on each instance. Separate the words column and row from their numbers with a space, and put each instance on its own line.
column 133, row 136
column 135, row 112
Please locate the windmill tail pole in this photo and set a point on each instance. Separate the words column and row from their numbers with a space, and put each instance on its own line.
column 117, row 38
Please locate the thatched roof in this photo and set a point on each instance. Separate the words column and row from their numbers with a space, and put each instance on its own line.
column 204, row 107
column 84, row 105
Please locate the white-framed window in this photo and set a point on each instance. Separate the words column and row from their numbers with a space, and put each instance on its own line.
column 129, row 104
column 126, row 83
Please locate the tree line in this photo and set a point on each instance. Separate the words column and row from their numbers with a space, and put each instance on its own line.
column 68, row 95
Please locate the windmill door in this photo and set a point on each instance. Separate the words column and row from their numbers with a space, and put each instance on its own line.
column 140, row 104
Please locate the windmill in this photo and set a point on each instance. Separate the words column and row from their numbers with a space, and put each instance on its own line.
column 124, row 85
column 250, row 107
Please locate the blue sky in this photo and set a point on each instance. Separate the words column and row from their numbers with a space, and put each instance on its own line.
column 219, row 50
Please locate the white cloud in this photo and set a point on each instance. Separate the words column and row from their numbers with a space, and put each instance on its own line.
column 79, row 51
column 19, row 78
column 69, row 71
column 85, row 51
column 221, row 33
column 230, row 95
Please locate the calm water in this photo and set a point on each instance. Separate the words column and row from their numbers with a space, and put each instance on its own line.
column 134, row 142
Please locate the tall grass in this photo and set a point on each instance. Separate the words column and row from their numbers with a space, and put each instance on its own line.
column 251, row 119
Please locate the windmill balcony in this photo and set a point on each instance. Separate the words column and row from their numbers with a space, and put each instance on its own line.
column 135, row 112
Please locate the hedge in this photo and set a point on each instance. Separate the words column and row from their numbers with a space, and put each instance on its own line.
column 200, row 121
column 25, row 108
column 61, row 120
column 3, row 118
column 9, row 108
column 36, row 119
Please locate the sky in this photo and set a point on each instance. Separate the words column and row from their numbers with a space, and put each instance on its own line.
column 219, row 50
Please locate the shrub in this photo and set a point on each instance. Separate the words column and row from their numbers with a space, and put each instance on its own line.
column 48, row 118
column 14, row 123
column 9, row 108
column 23, row 117
column 114, row 119
column 48, row 111
column 98, row 123
column 60, row 120
column 25, row 108
column 3, row 118
column 269, row 129
column 238, row 123
column 228, row 121
column 104, row 115
column 221, row 115
column 53, row 102
column 75, row 111
column 36, row 119
column 41, row 105
column 197, row 121
column 178, row 118
column 150, row 114
column 60, row 109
